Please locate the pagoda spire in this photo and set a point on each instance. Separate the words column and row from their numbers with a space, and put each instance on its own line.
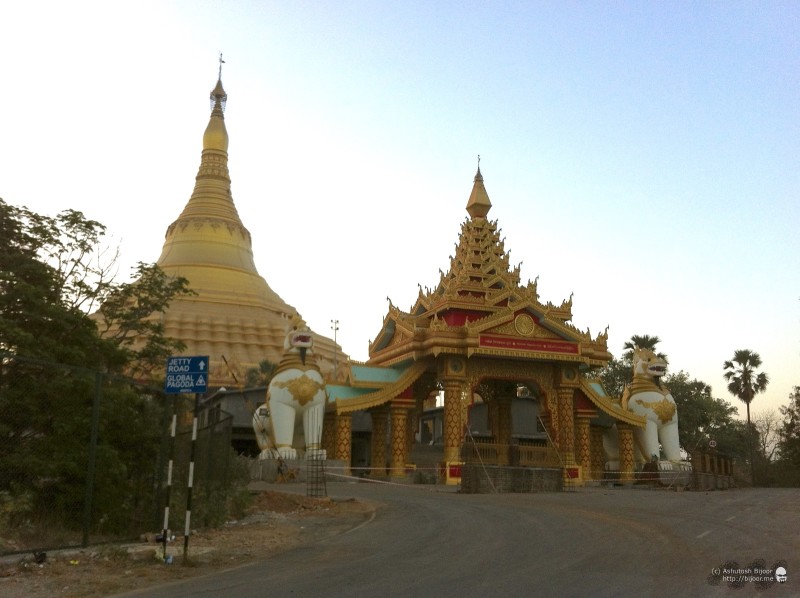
column 218, row 96
column 208, row 243
column 478, row 205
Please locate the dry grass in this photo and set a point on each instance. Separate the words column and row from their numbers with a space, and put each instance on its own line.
column 275, row 522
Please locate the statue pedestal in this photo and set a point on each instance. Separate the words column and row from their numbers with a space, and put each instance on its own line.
column 266, row 470
column 659, row 473
column 317, row 455
column 677, row 475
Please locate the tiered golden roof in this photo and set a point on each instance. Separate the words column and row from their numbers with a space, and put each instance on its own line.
column 481, row 294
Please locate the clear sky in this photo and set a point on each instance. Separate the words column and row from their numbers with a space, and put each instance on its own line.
column 641, row 155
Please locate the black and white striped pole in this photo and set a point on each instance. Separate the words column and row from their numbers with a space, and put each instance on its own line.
column 190, row 482
column 184, row 375
column 165, row 530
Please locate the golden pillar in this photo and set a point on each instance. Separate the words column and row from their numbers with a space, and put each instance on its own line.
column 344, row 440
column 453, row 419
column 566, row 425
column 626, row 458
column 598, row 458
column 503, row 429
column 399, row 417
column 583, row 446
column 329, row 433
column 379, row 417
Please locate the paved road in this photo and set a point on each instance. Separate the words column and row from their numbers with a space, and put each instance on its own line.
column 598, row 542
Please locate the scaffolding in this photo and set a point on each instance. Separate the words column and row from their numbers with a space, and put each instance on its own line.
column 315, row 478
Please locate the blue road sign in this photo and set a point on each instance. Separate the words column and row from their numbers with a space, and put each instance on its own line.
column 186, row 374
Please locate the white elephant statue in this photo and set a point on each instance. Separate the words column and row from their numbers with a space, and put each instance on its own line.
column 296, row 390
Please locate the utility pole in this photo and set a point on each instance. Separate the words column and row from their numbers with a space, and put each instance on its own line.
column 335, row 328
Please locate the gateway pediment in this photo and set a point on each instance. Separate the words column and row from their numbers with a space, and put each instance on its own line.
column 524, row 322
column 522, row 325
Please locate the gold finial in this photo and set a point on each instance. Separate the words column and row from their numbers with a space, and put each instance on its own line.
column 478, row 175
column 218, row 95
column 478, row 205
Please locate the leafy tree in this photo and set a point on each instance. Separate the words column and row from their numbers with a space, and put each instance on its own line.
column 767, row 426
column 766, row 430
column 789, row 443
column 50, row 276
column 701, row 417
column 261, row 375
column 126, row 318
column 70, row 243
column 744, row 382
column 44, row 451
column 34, row 319
column 614, row 376
column 53, row 362
column 732, row 441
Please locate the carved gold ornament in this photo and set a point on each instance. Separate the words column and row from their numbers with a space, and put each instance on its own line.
column 643, row 383
column 524, row 324
column 664, row 409
column 302, row 389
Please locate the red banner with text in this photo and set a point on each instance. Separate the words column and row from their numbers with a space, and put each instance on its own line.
column 527, row 344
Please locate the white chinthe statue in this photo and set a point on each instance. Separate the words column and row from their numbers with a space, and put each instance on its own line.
column 296, row 390
column 648, row 397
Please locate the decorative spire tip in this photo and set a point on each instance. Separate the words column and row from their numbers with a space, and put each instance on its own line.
column 478, row 175
column 218, row 95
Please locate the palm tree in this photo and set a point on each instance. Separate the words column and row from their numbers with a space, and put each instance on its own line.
column 644, row 341
column 745, row 383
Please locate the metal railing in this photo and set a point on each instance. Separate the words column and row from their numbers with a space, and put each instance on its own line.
column 83, row 457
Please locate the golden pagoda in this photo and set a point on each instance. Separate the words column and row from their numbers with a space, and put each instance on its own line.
column 235, row 317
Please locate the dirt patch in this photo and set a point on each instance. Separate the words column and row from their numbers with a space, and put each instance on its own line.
column 276, row 522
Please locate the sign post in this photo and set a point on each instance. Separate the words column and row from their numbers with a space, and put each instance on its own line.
column 189, row 375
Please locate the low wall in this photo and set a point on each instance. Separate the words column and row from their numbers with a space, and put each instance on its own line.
column 711, row 481
column 477, row 479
